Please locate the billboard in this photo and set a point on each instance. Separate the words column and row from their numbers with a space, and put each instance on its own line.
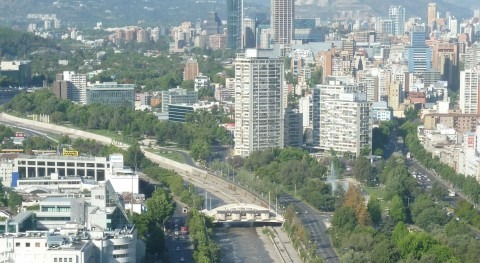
column 69, row 153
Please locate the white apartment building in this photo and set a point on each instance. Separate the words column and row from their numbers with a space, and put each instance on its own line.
column 384, row 80
column 6, row 169
column 371, row 84
column 259, row 105
column 469, row 90
column 201, row 82
column 472, row 56
column 77, row 86
column 344, row 122
column 381, row 112
column 305, row 108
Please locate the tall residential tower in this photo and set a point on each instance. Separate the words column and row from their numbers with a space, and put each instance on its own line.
column 259, row 108
column 397, row 15
column 282, row 16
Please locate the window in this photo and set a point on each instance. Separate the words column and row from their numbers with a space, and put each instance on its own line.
column 70, row 260
column 54, row 259
column 17, row 244
column 60, row 260
column 27, row 244
column 116, row 247
column 37, row 244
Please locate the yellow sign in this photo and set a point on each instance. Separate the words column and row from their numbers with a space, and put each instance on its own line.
column 69, row 153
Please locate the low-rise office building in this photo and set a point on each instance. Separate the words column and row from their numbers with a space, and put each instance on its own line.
column 111, row 93
column 29, row 166
column 72, row 174
column 178, row 96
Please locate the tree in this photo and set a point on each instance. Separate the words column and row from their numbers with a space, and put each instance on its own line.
column 397, row 209
column 374, row 210
column 134, row 156
column 355, row 200
column 399, row 232
column 411, row 114
column 205, row 93
column 200, row 150
column 438, row 191
column 14, row 201
column 430, row 217
column 344, row 219
column 188, row 84
column 416, row 245
column 159, row 207
column 362, row 170
column 385, row 251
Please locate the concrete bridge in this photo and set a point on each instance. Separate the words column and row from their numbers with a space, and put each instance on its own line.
column 242, row 212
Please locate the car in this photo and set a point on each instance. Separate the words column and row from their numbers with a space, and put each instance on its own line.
column 177, row 249
column 182, row 259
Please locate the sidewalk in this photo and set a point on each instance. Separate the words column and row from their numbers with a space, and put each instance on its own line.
column 285, row 246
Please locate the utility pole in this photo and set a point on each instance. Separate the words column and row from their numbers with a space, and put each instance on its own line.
column 268, row 200
column 206, row 200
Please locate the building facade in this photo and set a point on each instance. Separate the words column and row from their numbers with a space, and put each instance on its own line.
column 20, row 71
column 293, row 128
column 469, row 90
column 69, row 229
column 191, row 70
column 397, row 16
column 344, row 123
column 418, row 55
column 178, row 96
column 111, row 93
column 41, row 166
column 282, row 15
column 234, row 24
column 259, row 105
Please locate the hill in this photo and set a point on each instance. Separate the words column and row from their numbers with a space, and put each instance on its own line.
column 117, row 12
column 326, row 8
column 172, row 12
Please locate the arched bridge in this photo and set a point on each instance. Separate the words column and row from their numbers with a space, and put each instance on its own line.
column 242, row 212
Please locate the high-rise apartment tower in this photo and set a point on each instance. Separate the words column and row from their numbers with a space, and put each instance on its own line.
column 259, row 108
column 281, row 21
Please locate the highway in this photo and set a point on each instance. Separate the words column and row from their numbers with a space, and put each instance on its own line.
column 223, row 190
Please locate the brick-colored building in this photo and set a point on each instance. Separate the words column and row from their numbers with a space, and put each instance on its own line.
column 459, row 122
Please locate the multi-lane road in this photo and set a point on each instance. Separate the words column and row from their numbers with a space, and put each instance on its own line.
column 315, row 222
column 218, row 188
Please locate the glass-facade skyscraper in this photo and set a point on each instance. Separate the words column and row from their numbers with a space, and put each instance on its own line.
column 234, row 24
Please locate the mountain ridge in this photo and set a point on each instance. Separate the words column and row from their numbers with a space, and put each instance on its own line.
column 171, row 12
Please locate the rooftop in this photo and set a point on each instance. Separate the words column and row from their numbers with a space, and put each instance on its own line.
column 60, row 157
